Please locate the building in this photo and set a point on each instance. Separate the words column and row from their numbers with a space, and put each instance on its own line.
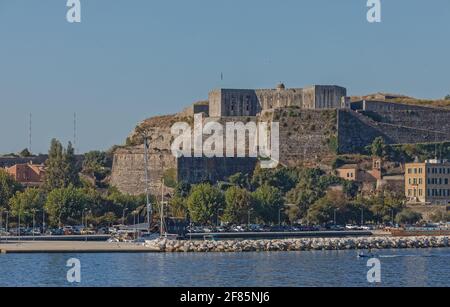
column 28, row 174
column 348, row 172
column 250, row 102
column 428, row 182
column 369, row 180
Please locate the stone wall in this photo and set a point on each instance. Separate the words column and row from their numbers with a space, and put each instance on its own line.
column 307, row 137
column 198, row 170
column 247, row 102
column 128, row 172
column 357, row 130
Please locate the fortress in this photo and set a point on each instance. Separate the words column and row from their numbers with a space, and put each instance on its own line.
column 235, row 102
column 316, row 124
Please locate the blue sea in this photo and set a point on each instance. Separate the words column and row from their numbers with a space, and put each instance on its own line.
column 405, row 268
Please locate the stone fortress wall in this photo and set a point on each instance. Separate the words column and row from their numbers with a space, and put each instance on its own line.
column 247, row 102
column 316, row 123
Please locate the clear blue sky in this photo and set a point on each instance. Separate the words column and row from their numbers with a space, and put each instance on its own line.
column 132, row 59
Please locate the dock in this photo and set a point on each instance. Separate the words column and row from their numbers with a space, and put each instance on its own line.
column 49, row 247
column 56, row 238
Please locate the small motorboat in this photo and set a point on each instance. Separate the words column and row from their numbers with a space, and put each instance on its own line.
column 368, row 255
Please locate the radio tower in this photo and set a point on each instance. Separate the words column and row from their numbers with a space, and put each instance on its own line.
column 75, row 132
column 30, row 133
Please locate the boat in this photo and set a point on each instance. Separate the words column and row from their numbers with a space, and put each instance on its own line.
column 368, row 255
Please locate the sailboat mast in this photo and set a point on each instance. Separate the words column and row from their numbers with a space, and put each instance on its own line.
column 162, row 207
column 147, row 193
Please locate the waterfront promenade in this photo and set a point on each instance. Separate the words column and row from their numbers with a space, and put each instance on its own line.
column 15, row 247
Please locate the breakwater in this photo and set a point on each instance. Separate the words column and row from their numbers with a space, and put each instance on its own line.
column 303, row 244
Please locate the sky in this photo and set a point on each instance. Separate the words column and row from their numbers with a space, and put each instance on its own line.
column 132, row 59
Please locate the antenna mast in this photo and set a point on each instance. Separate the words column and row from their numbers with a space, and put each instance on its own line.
column 30, row 133
column 75, row 132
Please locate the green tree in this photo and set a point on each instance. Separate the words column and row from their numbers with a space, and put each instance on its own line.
column 25, row 153
column 27, row 203
column 65, row 205
column 204, row 203
column 378, row 147
column 238, row 203
column 170, row 178
column 240, row 180
column 408, row 217
column 8, row 187
column 447, row 97
column 268, row 202
column 96, row 164
column 385, row 206
column 71, row 167
column 119, row 203
column 61, row 167
column 178, row 207
column 335, row 202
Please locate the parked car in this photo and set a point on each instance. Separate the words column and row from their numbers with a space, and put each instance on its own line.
column 55, row 232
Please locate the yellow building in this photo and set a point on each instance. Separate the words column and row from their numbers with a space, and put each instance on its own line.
column 428, row 182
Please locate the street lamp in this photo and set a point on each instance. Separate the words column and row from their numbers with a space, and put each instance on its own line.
column 34, row 221
column 248, row 220
column 82, row 217
column 279, row 216
column 7, row 218
column 362, row 216
column 43, row 221
column 123, row 216
column 217, row 222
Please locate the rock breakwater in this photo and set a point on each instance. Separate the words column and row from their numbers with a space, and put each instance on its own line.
column 303, row 244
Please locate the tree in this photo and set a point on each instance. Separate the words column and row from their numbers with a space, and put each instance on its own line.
column 385, row 206
column 117, row 202
column 240, row 180
column 268, row 202
column 71, row 167
column 238, row 203
column 8, row 187
column 25, row 153
column 65, row 205
column 204, row 203
column 408, row 217
column 61, row 167
column 447, row 97
column 27, row 203
column 170, row 178
column 378, row 147
column 323, row 210
column 96, row 164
